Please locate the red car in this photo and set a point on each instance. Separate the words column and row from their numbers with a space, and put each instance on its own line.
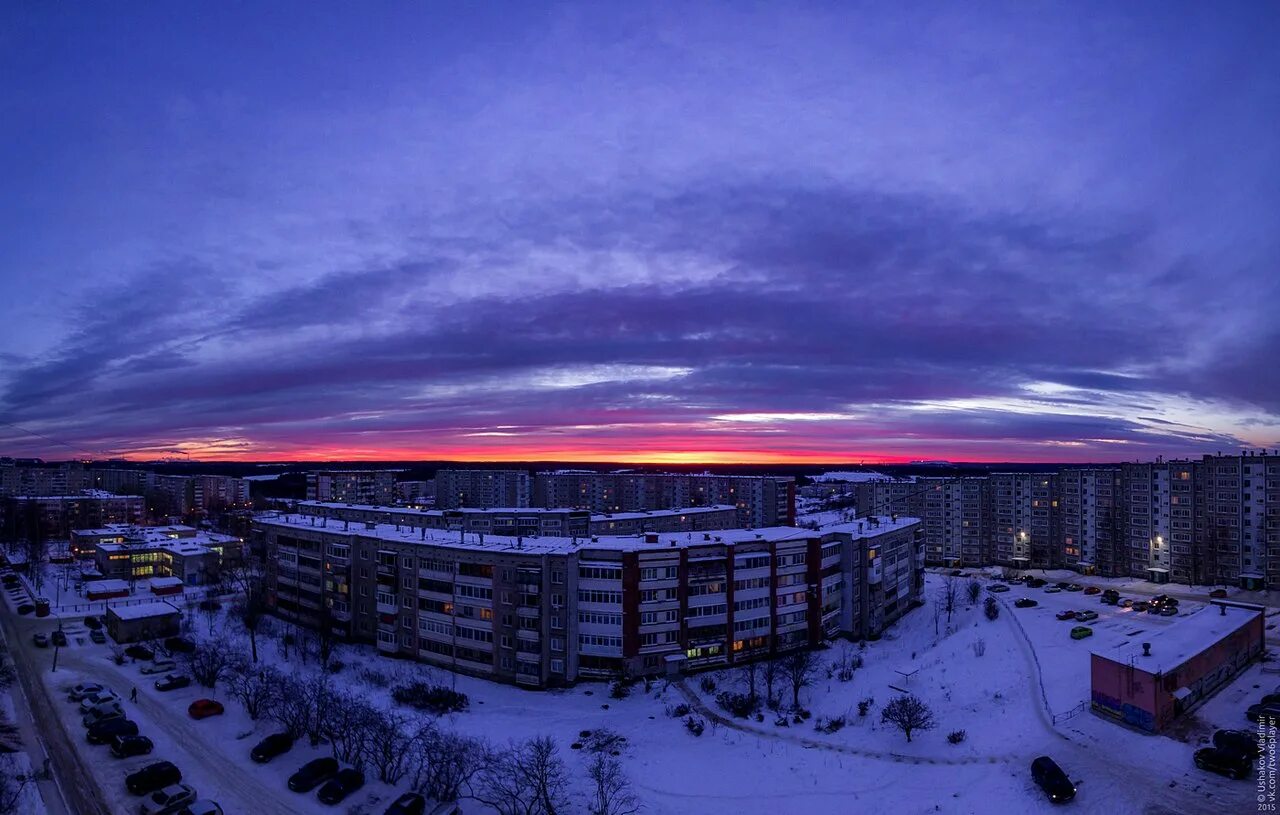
column 1066, row 615
column 204, row 708
column 1092, row 590
column 1218, row 594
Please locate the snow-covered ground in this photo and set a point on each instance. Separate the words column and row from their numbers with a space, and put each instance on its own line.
column 1006, row 700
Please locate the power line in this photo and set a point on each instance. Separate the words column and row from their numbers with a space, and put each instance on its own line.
column 69, row 445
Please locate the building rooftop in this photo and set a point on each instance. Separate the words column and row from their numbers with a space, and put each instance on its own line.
column 142, row 611
column 1186, row 638
column 440, row 513
column 543, row 544
column 864, row 528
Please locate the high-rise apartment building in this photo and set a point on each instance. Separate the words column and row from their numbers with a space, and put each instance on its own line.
column 761, row 500
column 1093, row 531
column 482, row 489
column 352, row 486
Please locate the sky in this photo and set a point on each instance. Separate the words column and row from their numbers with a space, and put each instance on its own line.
column 639, row 232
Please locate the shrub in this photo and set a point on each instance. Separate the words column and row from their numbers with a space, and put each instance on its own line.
column 992, row 608
column 741, row 705
column 831, row 725
column 865, row 705
column 620, row 689
column 694, row 725
column 680, row 711
column 435, row 699
column 707, row 684
column 956, row 736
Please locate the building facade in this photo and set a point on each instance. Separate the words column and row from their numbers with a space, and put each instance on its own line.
column 352, row 486
column 482, row 489
column 760, row 500
column 549, row 611
column 54, row 516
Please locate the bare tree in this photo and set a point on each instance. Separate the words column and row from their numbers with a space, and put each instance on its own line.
column 526, row 778
column 749, row 672
column 611, row 792
column 257, row 687
column 246, row 578
column 211, row 660
column 293, row 708
column 799, row 668
column 771, row 672
column 974, row 590
column 908, row 713
column 447, row 763
column 949, row 596
column 348, row 724
column 391, row 744
column 12, row 783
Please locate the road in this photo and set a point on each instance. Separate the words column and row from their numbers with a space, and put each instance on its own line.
column 74, row 788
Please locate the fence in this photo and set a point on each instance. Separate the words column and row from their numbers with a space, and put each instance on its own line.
column 1058, row 718
column 103, row 605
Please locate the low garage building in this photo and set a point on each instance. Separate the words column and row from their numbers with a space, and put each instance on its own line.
column 144, row 621
column 1149, row 681
column 106, row 589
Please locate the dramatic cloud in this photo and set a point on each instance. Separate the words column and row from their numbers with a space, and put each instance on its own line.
column 597, row 236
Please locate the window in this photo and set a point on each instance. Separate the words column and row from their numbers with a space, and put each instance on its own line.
column 659, row 573
column 600, row 618
column 595, row 596
column 600, row 572
column 557, row 666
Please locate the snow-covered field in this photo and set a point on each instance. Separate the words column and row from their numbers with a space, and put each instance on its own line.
column 1005, row 699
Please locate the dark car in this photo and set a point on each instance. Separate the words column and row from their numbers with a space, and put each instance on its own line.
column 125, row 746
column 92, row 623
column 1271, row 699
column 411, row 803
column 180, row 645
column 1242, row 741
column 313, row 773
column 1050, row 778
column 26, row 608
column 59, row 638
column 1224, row 762
column 1141, row 606
column 1218, row 594
column 1025, row 602
column 41, row 640
column 204, row 708
column 274, row 745
column 340, row 786
column 152, row 777
column 1036, row 583
column 97, row 636
column 106, row 732
column 140, row 652
column 1257, row 712
column 172, row 682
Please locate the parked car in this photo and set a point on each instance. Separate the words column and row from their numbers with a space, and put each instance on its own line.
column 1086, row 616
column 1218, row 594
column 106, row 732
column 1242, row 741
column 1051, row 589
column 110, row 710
column 26, row 608
column 1126, row 602
column 125, row 746
column 173, row 682
column 41, row 640
column 59, row 638
column 411, row 803
column 1092, row 590
column 160, row 666
column 1062, row 585
column 203, row 807
column 313, row 773
column 1036, row 583
column 998, row 588
column 340, row 786
column 180, row 645
column 1025, row 602
column 1111, row 597
column 1066, row 615
column 1169, row 611
column 1141, row 606
column 140, row 652
column 204, row 708
column 1224, row 762
column 153, row 777
column 97, row 636
column 84, row 689
column 1050, row 778
column 1270, row 699
column 274, row 745
column 167, row 799
column 1073, row 587
column 1080, row 632
column 92, row 623
column 957, row 573
column 102, row 697
column 1256, row 712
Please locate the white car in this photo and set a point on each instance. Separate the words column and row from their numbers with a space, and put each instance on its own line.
column 94, row 699
column 100, row 713
column 168, row 800
column 201, row 808
column 86, row 689
column 160, row 666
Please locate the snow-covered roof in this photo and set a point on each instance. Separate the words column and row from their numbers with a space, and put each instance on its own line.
column 863, row 528
column 142, row 611
column 1187, row 637
column 851, row 477
column 106, row 585
column 663, row 513
column 165, row 582
column 529, row 511
column 538, row 544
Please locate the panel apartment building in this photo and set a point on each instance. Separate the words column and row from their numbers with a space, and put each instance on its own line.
column 548, row 611
column 482, row 489
column 761, row 500
column 54, row 516
column 352, row 486
column 1093, row 528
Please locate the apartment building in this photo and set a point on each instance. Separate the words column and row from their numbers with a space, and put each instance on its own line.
column 531, row 521
column 1160, row 520
column 34, row 477
column 352, row 486
column 760, row 500
column 1093, row 530
column 482, row 489
column 548, row 611
column 122, row 482
column 1025, row 520
column 54, row 516
column 1240, row 496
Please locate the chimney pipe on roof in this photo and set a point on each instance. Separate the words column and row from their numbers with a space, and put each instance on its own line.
column 1146, row 649
column 1222, row 610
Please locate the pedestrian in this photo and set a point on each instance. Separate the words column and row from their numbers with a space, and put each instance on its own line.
column 133, row 697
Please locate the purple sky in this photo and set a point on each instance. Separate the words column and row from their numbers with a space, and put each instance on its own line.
column 677, row 232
